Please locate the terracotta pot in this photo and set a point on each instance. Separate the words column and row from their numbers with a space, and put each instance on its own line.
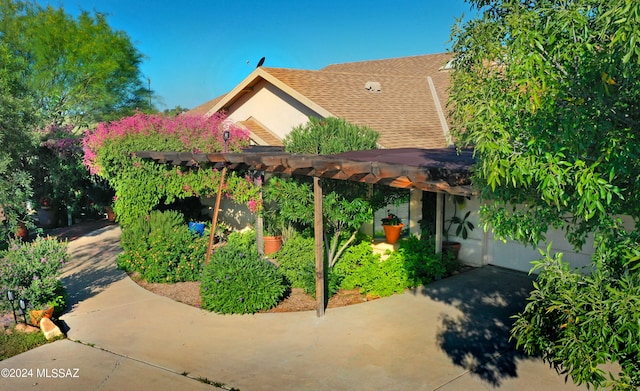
column 452, row 248
column 392, row 232
column 272, row 244
column 37, row 315
column 111, row 216
column 22, row 232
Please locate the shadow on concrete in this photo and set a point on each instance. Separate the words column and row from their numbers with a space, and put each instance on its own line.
column 92, row 269
column 478, row 340
column 78, row 230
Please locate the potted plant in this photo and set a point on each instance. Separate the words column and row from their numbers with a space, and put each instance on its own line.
column 196, row 227
column 47, row 213
column 462, row 228
column 36, row 315
column 392, row 226
column 22, row 232
column 273, row 225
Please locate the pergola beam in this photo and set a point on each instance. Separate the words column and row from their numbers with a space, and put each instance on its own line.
column 441, row 173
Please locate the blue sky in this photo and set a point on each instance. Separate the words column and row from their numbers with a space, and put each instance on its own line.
column 197, row 50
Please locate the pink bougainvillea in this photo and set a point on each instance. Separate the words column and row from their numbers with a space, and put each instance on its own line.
column 191, row 133
column 63, row 140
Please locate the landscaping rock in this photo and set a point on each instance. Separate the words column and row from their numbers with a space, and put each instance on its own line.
column 49, row 329
column 25, row 328
column 6, row 320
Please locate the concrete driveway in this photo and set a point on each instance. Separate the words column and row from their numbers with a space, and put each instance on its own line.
column 450, row 335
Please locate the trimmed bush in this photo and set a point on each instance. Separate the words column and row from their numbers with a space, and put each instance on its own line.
column 238, row 281
column 32, row 271
column 163, row 249
column 136, row 236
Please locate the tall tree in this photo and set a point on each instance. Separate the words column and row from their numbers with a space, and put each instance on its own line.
column 548, row 93
column 16, row 144
column 79, row 70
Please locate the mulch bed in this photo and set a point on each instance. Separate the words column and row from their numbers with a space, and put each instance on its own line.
column 297, row 300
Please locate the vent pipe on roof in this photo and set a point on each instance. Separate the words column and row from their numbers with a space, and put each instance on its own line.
column 373, row 86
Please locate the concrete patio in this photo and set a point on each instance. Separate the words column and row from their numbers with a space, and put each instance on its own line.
column 450, row 335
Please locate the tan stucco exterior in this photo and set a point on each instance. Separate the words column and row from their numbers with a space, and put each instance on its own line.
column 277, row 111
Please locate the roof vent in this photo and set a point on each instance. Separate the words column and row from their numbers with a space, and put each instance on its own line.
column 373, row 86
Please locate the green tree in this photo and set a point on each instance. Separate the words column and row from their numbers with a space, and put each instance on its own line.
column 548, row 94
column 16, row 144
column 79, row 70
column 175, row 111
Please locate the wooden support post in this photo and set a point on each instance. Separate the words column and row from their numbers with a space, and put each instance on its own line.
column 319, row 231
column 214, row 219
column 259, row 220
column 439, row 221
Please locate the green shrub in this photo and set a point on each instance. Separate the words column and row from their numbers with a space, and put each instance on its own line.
column 238, row 281
column 136, row 235
column 414, row 263
column 420, row 261
column 297, row 262
column 162, row 249
column 32, row 271
column 244, row 240
column 361, row 268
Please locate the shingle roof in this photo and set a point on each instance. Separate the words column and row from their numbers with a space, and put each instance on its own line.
column 205, row 107
column 404, row 112
column 423, row 65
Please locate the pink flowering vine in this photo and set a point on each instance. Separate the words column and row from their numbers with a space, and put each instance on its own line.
column 194, row 133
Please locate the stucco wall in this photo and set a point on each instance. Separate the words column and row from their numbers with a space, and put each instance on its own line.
column 272, row 107
column 471, row 251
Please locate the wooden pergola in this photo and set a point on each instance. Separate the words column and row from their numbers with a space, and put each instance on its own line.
column 445, row 170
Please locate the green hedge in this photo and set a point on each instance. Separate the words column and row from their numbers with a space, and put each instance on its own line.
column 361, row 268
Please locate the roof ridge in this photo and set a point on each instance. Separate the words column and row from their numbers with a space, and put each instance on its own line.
column 390, row 59
column 332, row 72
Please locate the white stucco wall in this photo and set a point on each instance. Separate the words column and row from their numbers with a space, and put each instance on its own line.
column 272, row 107
column 471, row 251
